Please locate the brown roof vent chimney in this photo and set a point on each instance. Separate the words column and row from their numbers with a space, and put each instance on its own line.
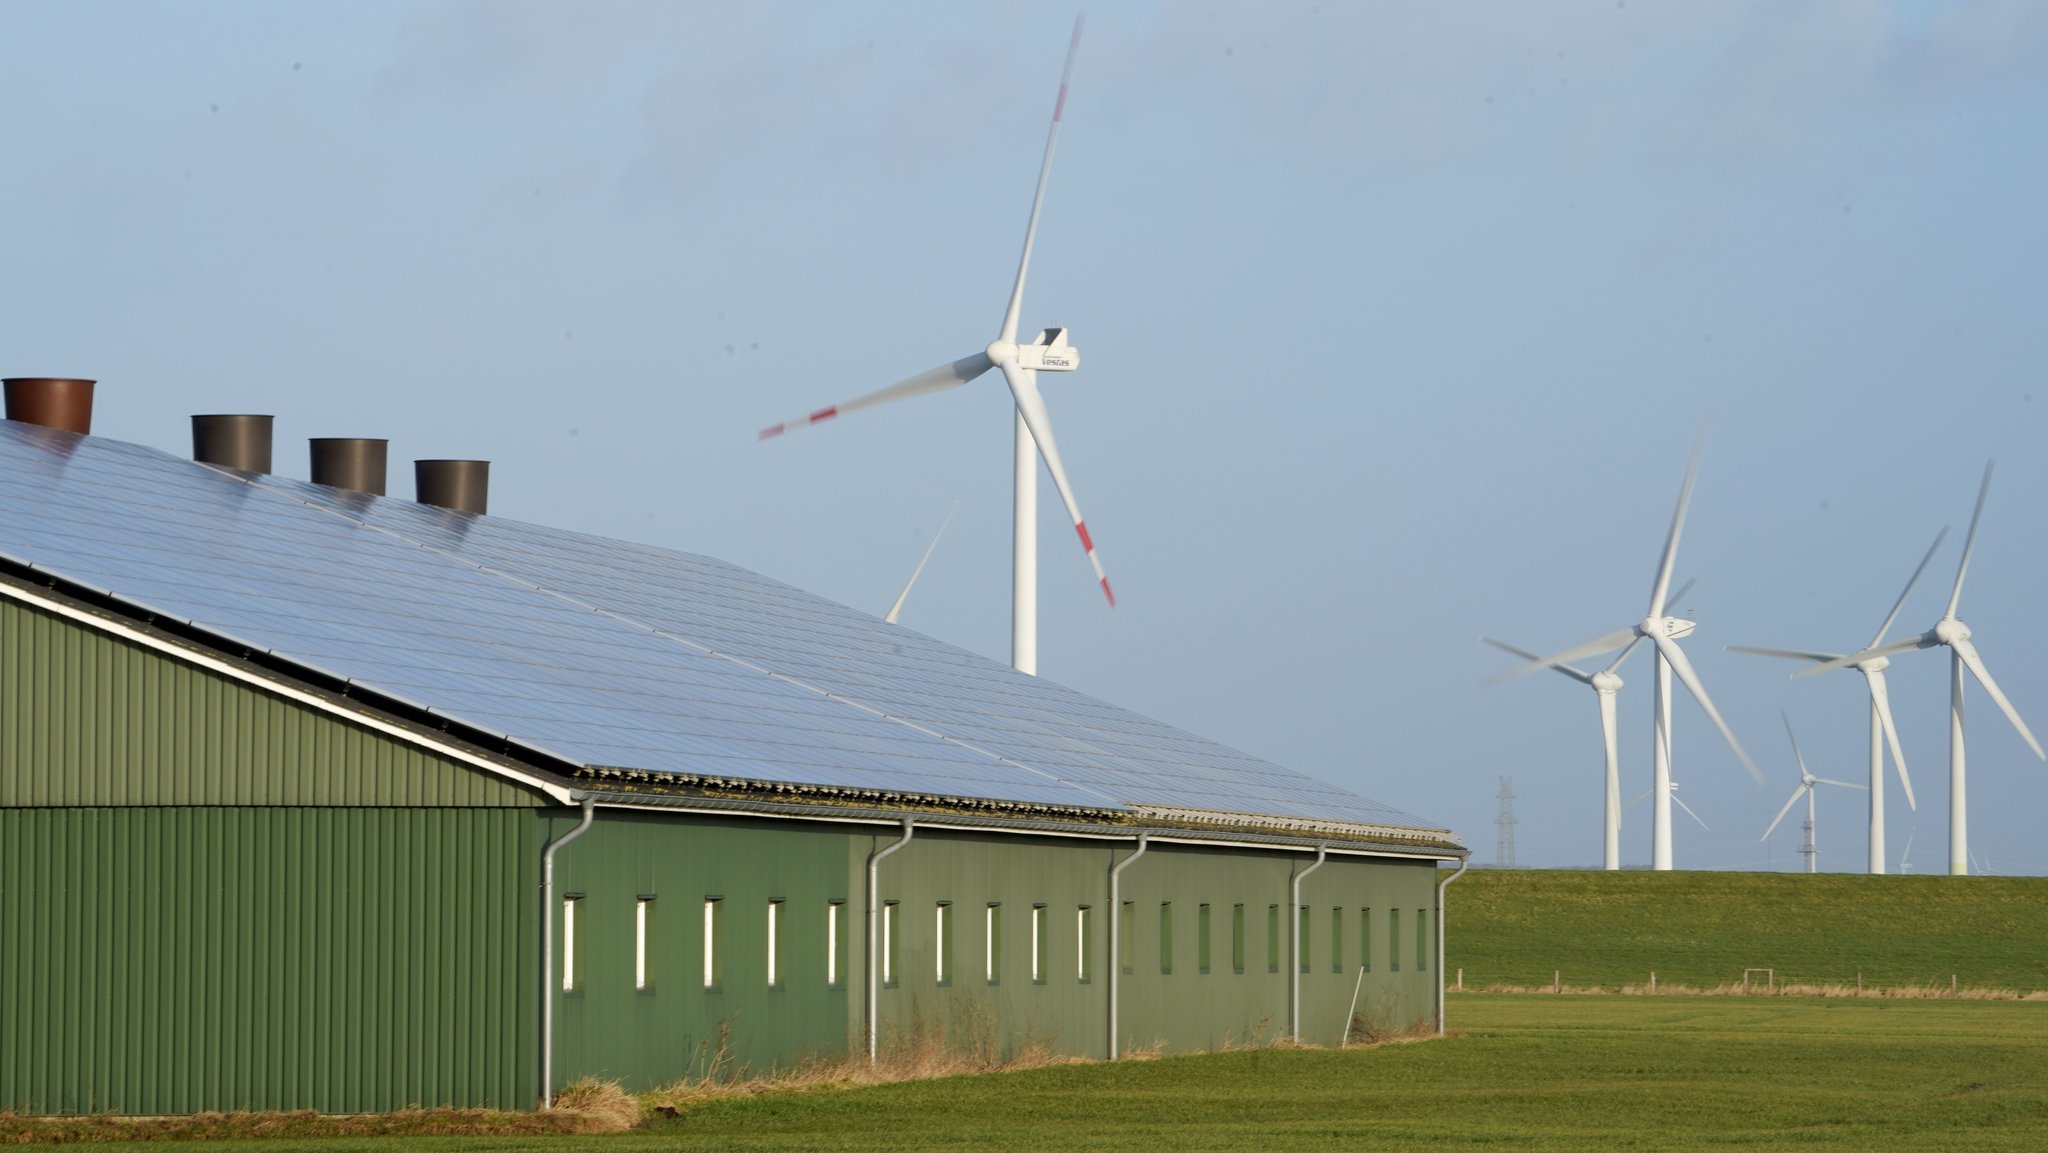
column 51, row 401
column 353, row 463
column 462, row 485
column 237, row 441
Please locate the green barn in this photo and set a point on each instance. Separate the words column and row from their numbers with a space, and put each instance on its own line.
column 317, row 799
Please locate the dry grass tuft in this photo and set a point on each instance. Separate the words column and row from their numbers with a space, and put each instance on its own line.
column 961, row 1042
column 598, row 1106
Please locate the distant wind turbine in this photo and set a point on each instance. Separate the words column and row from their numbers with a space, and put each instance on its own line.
column 1807, row 781
column 1881, row 727
column 1020, row 364
column 1952, row 632
column 1664, row 631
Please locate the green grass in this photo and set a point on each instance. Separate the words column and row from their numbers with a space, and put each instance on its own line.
column 1529, row 1073
column 1702, row 929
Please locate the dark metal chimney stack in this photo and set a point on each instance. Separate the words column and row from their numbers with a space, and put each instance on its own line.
column 238, row 441
column 462, row 485
column 353, row 463
column 51, row 401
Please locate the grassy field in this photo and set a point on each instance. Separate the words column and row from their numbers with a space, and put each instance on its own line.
column 1609, row 930
column 1528, row 1072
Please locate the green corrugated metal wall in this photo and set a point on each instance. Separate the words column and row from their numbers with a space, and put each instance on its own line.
column 89, row 719
column 648, row 1037
column 213, row 898
column 171, row 960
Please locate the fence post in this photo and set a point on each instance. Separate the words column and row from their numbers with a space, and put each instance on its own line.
column 1557, row 981
column 1461, row 978
column 1653, row 982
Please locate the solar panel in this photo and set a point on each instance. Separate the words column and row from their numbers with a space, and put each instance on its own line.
column 601, row 652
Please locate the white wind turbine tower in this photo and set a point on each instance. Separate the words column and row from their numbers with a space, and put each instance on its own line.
column 1952, row 632
column 1663, row 631
column 1021, row 364
column 1881, row 727
column 1807, row 781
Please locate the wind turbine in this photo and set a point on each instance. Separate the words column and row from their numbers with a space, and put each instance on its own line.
column 1807, row 781
column 1663, row 631
column 1905, row 865
column 1881, row 727
column 1952, row 632
column 1032, row 437
column 1604, row 685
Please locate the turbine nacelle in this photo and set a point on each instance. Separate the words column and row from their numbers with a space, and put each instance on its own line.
column 1949, row 630
column 1605, row 682
column 1671, row 627
column 1049, row 353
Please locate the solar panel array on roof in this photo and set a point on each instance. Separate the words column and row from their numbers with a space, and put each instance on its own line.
column 601, row 652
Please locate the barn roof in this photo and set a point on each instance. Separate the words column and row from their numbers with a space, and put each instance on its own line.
column 623, row 662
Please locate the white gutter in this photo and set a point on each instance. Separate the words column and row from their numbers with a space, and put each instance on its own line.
column 547, row 952
column 1116, row 920
column 1440, row 887
column 1294, row 951
column 250, row 676
column 874, row 938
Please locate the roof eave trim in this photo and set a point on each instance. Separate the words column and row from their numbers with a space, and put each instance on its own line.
column 966, row 822
column 201, row 659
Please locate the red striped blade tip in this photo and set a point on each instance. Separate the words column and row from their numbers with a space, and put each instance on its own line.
column 1107, row 593
column 771, row 430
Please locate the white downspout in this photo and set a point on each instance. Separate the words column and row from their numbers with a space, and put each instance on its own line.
column 1294, row 949
column 875, row 938
column 1116, row 920
column 547, row 948
column 1440, row 887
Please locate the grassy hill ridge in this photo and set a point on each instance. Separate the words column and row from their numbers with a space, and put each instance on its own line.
column 1516, row 927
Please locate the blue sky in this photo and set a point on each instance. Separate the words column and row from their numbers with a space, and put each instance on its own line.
column 1398, row 322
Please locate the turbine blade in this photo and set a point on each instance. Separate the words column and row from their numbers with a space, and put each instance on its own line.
column 1926, row 640
column 1844, row 784
column 1788, row 654
column 1913, row 580
column 1576, row 674
column 1024, row 387
column 1970, row 542
column 1689, row 812
column 1683, row 589
column 1882, row 698
column 1626, row 650
column 1692, row 471
column 1592, row 648
column 1968, row 652
column 1796, row 794
column 1675, row 656
column 919, row 570
column 1052, row 137
column 1638, row 798
column 939, row 379
column 1796, row 754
